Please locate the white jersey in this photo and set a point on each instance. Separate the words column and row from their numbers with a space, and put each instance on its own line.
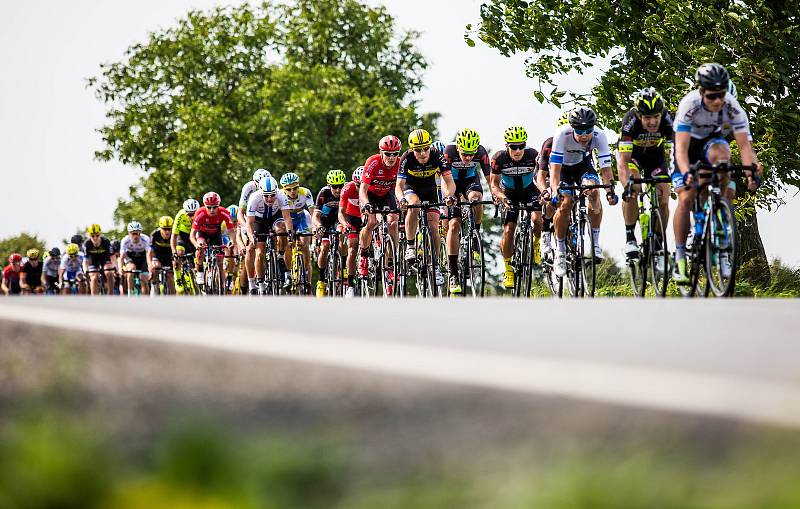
column 247, row 191
column 50, row 266
column 568, row 151
column 303, row 202
column 256, row 206
column 693, row 117
column 134, row 249
column 70, row 264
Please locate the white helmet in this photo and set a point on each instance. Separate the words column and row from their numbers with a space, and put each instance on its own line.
column 268, row 185
column 191, row 205
column 357, row 174
column 259, row 174
column 134, row 226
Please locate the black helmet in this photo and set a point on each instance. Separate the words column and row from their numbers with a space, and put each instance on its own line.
column 582, row 118
column 712, row 77
column 649, row 101
column 76, row 239
column 55, row 252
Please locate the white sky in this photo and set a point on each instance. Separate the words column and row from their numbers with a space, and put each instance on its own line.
column 52, row 184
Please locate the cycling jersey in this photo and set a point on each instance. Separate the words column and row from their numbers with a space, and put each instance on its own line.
column 72, row 265
column 567, row 151
column 11, row 278
column 98, row 256
column 134, row 249
column 461, row 170
column 544, row 155
column 328, row 205
column 298, row 206
column 649, row 151
column 51, row 266
column 203, row 221
column 515, row 174
column 160, row 247
column 381, row 180
column 348, row 201
column 258, row 208
column 33, row 275
column 247, row 191
column 693, row 117
column 422, row 176
column 182, row 223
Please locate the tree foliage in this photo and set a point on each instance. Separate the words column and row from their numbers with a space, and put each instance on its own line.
column 660, row 43
column 306, row 87
column 19, row 244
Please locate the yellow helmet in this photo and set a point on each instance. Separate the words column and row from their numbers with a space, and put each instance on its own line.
column 336, row 178
column 72, row 249
column 563, row 119
column 165, row 222
column 515, row 134
column 32, row 254
column 419, row 138
column 94, row 229
column 468, row 141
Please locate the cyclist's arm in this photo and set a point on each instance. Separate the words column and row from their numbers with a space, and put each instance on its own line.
column 5, row 287
column 682, row 139
column 623, row 160
column 363, row 195
column 251, row 222
column 60, row 275
column 399, row 188
column 192, row 236
column 745, row 147
column 555, row 177
column 173, row 241
column 448, row 185
column 287, row 218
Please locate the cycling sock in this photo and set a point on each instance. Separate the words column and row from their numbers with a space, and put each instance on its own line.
column 680, row 251
column 629, row 235
column 562, row 245
column 596, row 236
column 507, row 261
column 252, row 282
column 453, row 259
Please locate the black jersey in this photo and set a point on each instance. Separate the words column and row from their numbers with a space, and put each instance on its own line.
column 33, row 275
column 98, row 256
column 464, row 171
column 422, row 175
column 515, row 174
column 161, row 246
column 643, row 144
column 327, row 204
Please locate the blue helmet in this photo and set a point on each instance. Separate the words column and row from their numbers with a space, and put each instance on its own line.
column 233, row 210
column 439, row 145
column 288, row 179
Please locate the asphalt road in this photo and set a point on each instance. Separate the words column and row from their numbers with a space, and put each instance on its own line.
column 731, row 358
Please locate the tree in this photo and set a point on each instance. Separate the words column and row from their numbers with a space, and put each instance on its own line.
column 306, row 87
column 660, row 44
column 19, row 244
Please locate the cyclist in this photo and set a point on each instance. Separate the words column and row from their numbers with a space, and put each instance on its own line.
column 376, row 191
column 571, row 163
column 71, row 269
column 133, row 256
column 543, row 179
column 97, row 257
column 11, row 275
column 463, row 158
column 233, row 238
column 182, row 228
column 301, row 206
column 207, row 231
column 702, row 114
column 159, row 256
column 416, row 183
column 78, row 240
column 326, row 215
column 267, row 211
column 50, row 271
column 30, row 279
column 645, row 147
column 247, row 243
column 513, row 181
column 351, row 221
column 116, row 245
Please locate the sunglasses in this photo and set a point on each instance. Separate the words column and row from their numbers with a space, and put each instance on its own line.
column 715, row 96
column 391, row 154
column 583, row 132
column 295, row 188
column 338, row 186
column 268, row 196
column 421, row 150
column 212, row 207
column 136, row 233
column 516, row 146
column 95, row 236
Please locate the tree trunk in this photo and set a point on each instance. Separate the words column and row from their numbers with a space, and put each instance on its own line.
column 753, row 263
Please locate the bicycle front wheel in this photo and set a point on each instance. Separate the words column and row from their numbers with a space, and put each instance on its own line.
column 476, row 265
column 720, row 250
column 589, row 262
column 658, row 253
column 389, row 267
column 425, row 267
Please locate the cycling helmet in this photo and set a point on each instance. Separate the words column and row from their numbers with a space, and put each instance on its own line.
column 94, row 230
column 335, row 178
column 712, row 76
column 389, row 143
column 15, row 257
column 357, row 173
column 563, row 119
column 649, row 101
column 582, row 118
column 732, row 90
column 289, row 179
column 268, row 185
column 259, row 174
column 211, row 199
column 190, row 206
column 55, row 252
column 233, row 210
column 134, row 226
column 419, row 138
column 165, row 222
column 32, row 254
column 72, row 249
column 77, row 239
column 439, row 145
column 467, row 141
column 515, row 134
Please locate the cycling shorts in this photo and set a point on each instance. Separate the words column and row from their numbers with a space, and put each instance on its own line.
column 525, row 195
column 698, row 152
column 379, row 202
column 429, row 195
column 265, row 225
column 650, row 166
column 577, row 174
column 468, row 185
column 212, row 239
column 355, row 223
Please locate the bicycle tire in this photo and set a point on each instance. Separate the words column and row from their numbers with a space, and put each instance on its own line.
column 723, row 220
column 659, row 275
column 389, row 267
column 425, row 266
column 516, row 262
column 589, row 263
column 334, row 282
column 477, row 269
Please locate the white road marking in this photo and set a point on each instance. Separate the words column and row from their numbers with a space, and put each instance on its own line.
column 664, row 389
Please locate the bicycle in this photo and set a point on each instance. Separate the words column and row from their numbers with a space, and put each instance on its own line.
column 526, row 249
column 300, row 281
column 712, row 233
column 214, row 284
column 184, row 275
column 273, row 275
column 335, row 282
column 384, row 255
column 426, row 254
column 101, row 275
column 136, row 289
column 471, row 263
column 581, row 262
column 161, row 282
column 653, row 252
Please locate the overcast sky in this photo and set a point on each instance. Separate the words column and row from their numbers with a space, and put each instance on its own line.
column 52, row 184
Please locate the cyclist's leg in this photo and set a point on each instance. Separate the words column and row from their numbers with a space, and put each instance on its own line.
column 412, row 218
column 108, row 269
column 155, row 268
column 94, row 280
column 630, row 207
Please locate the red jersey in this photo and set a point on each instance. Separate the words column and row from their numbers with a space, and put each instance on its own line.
column 205, row 222
column 11, row 277
column 348, row 201
column 381, row 179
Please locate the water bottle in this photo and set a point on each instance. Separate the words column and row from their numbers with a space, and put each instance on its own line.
column 644, row 224
column 699, row 219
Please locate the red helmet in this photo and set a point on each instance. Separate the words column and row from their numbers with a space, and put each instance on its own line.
column 389, row 144
column 211, row 199
column 15, row 257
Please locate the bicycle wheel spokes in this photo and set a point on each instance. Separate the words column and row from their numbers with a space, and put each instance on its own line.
column 389, row 267
column 476, row 264
column 720, row 250
column 658, row 253
column 589, row 262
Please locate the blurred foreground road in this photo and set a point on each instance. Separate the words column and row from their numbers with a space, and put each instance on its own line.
column 735, row 359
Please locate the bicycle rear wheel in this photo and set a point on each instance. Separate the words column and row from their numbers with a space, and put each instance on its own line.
column 367, row 283
column 334, row 282
column 721, row 249
column 476, row 265
column 517, row 258
column 389, row 267
column 658, row 253
column 426, row 282
column 588, row 260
